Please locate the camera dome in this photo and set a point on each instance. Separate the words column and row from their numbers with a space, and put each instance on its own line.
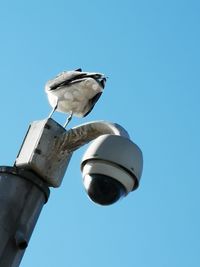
column 103, row 189
column 111, row 168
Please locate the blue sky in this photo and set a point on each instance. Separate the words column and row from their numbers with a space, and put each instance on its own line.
column 150, row 52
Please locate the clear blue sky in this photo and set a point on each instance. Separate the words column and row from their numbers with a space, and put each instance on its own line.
column 151, row 52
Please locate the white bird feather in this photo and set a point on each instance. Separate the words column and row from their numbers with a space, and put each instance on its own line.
column 75, row 92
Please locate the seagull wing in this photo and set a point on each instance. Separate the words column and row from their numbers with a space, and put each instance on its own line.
column 65, row 79
column 92, row 102
column 69, row 77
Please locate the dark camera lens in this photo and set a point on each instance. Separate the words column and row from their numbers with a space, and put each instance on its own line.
column 103, row 189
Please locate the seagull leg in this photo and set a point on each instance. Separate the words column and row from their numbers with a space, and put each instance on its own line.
column 53, row 110
column 68, row 119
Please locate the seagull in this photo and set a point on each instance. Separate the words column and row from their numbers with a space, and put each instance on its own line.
column 74, row 92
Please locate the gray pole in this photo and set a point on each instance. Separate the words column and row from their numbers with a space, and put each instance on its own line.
column 22, row 196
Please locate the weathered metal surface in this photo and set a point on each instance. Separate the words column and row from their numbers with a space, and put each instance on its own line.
column 39, row 152
column 48, row 147
column 83, row 134
column 21, row 201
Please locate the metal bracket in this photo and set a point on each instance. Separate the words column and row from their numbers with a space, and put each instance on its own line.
column 48, row 147
column 39, row 154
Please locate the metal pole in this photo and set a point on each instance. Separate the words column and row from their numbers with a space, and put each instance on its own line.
column 22, row 196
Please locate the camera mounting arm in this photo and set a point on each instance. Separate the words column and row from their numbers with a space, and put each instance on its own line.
column 48, row 147
column 84, row 133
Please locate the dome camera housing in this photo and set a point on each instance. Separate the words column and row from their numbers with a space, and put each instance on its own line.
column 111, row 168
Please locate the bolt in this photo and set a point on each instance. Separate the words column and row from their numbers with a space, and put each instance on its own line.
column 37, row 151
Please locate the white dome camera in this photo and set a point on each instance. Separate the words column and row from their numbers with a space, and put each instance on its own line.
column 111, row 168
